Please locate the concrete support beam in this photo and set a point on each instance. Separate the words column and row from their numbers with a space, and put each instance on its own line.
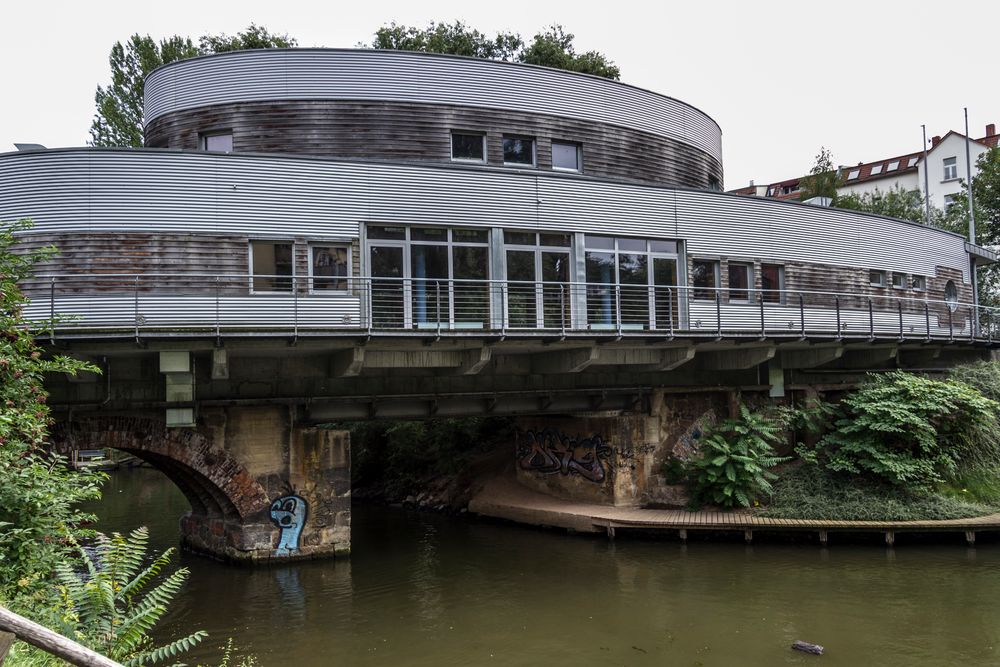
column 675, row 357
column 869, row 356
column 737, row 358
column 473, row 361
column 564, row 361
column 220, row 364
column 348, row 363
column 810, row 357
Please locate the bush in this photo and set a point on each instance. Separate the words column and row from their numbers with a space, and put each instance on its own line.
column 981, row 375
column 735, row 457
column 907, row 429
column 808, row 491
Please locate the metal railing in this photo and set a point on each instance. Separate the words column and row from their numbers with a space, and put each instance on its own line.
column 220, row 303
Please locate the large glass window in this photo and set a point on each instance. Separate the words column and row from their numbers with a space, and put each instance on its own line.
column 330, row 266
column 950, row 168
column 469, row 146
column 566, row 156
column 272, row 265
column 621, row 288
column 430, row 276
column 519, row 151
column 538, row 272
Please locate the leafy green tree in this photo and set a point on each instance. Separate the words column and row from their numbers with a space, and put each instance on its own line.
column 120, row 598
column 823, row 179
column 118, row 120
column 895, row 203
column 39, row 493
column 552, row 47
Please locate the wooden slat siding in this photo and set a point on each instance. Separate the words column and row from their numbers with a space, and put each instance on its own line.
column 396, row 131
column 396, row 76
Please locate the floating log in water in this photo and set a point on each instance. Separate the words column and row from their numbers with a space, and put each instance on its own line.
column 806, row 647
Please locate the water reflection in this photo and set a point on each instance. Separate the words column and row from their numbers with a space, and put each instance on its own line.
column 428, row 590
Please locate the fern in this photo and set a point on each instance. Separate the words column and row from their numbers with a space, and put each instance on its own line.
column 736, row 458
column 114, row 602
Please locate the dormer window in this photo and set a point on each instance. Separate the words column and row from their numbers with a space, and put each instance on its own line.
column 893, row 166
column 876, row 169
column 912, row 162
column 854, row 174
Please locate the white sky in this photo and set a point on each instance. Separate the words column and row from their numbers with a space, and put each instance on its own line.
column 781, row 78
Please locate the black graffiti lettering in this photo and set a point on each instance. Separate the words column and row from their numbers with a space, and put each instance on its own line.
column 552, row 452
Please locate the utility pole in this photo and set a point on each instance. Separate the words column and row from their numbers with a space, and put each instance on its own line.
column 927, row 191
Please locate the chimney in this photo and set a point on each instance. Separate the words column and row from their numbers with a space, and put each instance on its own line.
column 935, row 141
column 991, row 129
column 751, row 182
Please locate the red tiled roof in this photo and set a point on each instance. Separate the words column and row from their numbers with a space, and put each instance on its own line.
column 882, row 167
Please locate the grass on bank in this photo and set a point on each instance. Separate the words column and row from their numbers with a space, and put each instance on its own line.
column 807, row 491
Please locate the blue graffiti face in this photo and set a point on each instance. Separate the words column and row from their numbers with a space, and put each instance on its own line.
column 289, row 514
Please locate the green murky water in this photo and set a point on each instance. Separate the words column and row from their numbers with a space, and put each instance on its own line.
column 422, row 589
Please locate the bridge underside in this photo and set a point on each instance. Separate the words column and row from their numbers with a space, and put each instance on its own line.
column 234, row 425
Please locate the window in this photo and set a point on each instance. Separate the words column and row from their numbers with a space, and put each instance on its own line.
column 740, row 281
column 566, row 157
column 876, row 278
column 912, row 162
column 951, row 295
column 893, row 166
column 898, row 280
column 221, row 142
column 854, row 174
column 469, row 146
column 772, row 282
column 948, row 201
column 272, row 266
column 950, row 168
column 876, row 169
column 920, row 283
column 519, row 150
column 630, row 281
column 330, row 267
column 704, row 278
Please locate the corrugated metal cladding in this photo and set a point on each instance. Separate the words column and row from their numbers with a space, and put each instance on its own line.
column 331, row 74
column 148, row 190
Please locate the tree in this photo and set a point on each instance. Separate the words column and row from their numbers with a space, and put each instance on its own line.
column 551, row 48
column 823, row 179
column 39, row 518
column 895, row 203
column 118, row 120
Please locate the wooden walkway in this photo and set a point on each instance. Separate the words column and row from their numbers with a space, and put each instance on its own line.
column 506, row 499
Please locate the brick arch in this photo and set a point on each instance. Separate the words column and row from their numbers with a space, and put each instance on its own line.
column 216, row 484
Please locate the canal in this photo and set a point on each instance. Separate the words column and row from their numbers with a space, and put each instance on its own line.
column 424, row 589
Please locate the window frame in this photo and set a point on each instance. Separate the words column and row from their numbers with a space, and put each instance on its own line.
column 522, row 137
column 881, row 283
column 313, row 244
column 467, row 160
column 749, row 289
column 769, row 295
column 203, row 138
column 951, row 168
column 252, row 277
column 579, row 156
column 918, row 283
column 696, row 291
column 901, row 280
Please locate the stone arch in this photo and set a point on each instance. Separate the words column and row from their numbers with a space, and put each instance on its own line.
column 216, row 484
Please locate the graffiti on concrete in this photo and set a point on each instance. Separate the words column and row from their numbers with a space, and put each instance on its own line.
column 552, row 452
column 289, row 514
column 624, row 458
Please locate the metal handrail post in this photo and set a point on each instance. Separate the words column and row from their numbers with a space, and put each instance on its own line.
column 437, row 305
column 718, row 312
column 899, row 307
column 670, row 311
column 802, row 316
column 973, row 323
column 295, row 307
column 871, row 320
column 951, row 324
column 836, row 305
column 618, row 307
column 562, row 308
column 52, row 309
column 927, row 319
column 135, row 309
column 503, row 309
column 218, row 326
column 763, row 326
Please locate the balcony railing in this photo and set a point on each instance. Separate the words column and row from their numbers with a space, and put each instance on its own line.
column 168, row 303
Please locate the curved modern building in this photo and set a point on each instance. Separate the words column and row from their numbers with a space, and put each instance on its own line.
column 397, row 190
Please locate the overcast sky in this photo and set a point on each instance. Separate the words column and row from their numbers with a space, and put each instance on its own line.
column 781, row 78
